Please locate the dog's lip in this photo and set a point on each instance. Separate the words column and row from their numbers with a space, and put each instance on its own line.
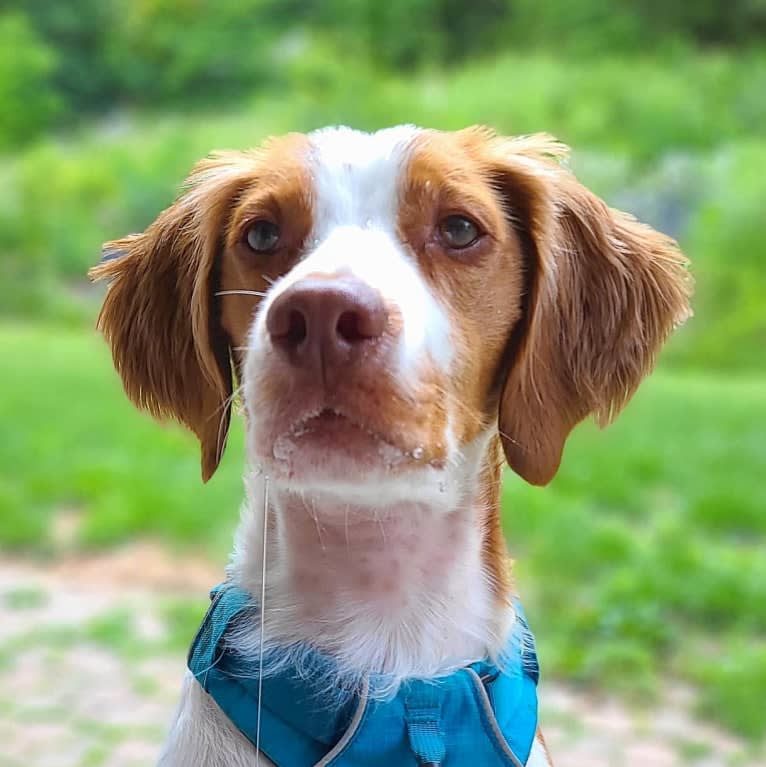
column 346, row 427
column 330, row 417
column 336, row 429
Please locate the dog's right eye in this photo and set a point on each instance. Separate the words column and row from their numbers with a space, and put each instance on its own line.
column 262, row 236
column 458, row 232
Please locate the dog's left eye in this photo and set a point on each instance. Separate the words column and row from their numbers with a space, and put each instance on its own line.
column 262, row 236
column 458, row 232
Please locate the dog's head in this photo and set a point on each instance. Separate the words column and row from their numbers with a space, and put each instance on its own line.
column 389, row 303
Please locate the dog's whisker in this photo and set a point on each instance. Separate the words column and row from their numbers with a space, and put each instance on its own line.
column 310, row 509
column 229, row 400
column 514, row 441
column 455, row 400
column 258, row 293
column 346, row 525
column 318, row 525
column 221, row 435
column 204, row 670
column 467, row 410
column 381, row 526
column 222, row 410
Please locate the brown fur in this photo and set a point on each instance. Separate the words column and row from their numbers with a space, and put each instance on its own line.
column 607, row 293
column 557, row 313
column 160, row 316
column 171, row 337
column 480, row 287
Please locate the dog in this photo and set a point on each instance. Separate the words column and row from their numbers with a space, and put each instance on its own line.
column 399, row 314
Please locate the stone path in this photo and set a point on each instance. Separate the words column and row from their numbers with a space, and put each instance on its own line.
column 87, row 678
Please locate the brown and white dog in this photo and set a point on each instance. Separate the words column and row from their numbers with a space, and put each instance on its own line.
column 401, row 311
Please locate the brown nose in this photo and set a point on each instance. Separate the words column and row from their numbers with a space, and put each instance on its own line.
column 321, row 325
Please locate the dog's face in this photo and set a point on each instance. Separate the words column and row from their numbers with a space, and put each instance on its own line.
column 372, row 360
column 390, row 303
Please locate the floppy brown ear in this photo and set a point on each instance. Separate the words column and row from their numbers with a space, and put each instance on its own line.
column 605, row 291
column 160, row 315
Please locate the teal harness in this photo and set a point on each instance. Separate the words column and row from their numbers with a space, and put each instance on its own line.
column 483, row 714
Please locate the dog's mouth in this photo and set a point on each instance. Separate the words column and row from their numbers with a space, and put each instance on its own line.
column 326, row 418
column 334, row 444
column 330, row 432
column 331, row 421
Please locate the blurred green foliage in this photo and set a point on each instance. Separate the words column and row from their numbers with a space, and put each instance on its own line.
column 28, row 98
column 646, row 552
column 139, row 52
column 108, row 103
column 686, row 158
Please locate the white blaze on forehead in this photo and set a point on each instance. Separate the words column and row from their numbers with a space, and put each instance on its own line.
column 357, row 176
column 357, row 179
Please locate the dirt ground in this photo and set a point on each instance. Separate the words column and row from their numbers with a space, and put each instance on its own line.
column 70, row 699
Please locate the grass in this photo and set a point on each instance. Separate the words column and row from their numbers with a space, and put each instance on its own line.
column 642, row 561
column 73, row 445
column 645, row 556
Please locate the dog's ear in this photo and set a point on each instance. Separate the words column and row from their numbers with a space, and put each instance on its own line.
column 160, row 314
column 603, row 293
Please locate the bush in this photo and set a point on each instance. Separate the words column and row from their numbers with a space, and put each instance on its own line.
column 685, row 161
column 726, row 239
column 29, row 103
column 171, row 52
column 113, row 52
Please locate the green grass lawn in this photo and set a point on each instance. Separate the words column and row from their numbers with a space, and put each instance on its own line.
column 644, row 561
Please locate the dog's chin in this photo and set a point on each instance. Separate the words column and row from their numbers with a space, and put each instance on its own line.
column 328, row 445
column 333, row 454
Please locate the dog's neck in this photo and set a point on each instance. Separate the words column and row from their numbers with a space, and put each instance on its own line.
column 402, row 590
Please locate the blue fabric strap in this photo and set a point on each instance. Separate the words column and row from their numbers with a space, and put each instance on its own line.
column 484, row 714
column 207, row 650
column 530, row 664
column 422, row 713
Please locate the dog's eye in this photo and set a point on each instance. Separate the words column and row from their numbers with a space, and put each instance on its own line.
column 262, row 236
column 458, row 232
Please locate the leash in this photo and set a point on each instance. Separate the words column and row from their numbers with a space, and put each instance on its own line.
column 263, row 613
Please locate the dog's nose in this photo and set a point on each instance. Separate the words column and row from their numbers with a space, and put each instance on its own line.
column 321, row 324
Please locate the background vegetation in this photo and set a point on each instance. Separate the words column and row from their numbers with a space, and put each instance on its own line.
column 645, row 558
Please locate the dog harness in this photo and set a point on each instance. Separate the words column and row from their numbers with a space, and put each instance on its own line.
column 484, row 714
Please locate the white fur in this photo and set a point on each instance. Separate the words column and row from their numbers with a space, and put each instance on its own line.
column 538, row 756
column 445, row 626
column 357, row 179
column 203, row 736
